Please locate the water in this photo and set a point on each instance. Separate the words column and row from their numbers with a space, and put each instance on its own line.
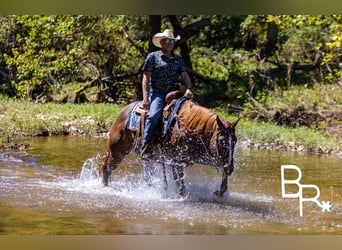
column 55, row 189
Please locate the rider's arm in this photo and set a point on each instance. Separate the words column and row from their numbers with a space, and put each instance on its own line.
column 146, row 89
column 187, row 81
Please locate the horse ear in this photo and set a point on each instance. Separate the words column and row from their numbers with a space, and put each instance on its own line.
column 219, row 122
column 235, row 122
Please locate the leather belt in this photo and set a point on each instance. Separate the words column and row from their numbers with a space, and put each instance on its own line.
column 163, row 90
column 160, row 89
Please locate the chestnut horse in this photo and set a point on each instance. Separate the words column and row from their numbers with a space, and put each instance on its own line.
column 197, row 135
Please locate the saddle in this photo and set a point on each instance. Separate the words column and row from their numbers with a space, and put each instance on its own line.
column 138, row 116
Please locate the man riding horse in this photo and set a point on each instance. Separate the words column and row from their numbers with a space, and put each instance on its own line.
column 193, row 134
column 161, row 72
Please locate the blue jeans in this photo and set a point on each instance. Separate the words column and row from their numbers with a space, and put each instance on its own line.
column 157, row 103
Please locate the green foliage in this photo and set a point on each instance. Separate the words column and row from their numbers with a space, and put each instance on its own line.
column 223, row 33
column 44, row 51
column 61, row 49
column 41, row 54
column 320, row 98
column 320, row 104
column 211, row 63
column 301, row 37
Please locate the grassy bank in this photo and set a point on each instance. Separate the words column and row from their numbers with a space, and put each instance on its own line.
column 21, row 119
column 302, row 139
column 301, row 118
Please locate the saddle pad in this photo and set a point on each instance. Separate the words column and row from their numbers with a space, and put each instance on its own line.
column 134, row 118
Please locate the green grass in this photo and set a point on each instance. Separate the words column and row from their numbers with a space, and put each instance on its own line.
column 26, row 118
column 267, row 133
column 323, row 99
column 21, row 118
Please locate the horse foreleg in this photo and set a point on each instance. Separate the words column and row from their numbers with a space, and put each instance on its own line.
column 178, row 176
column 164, row 175
column 108, row 165
column 106, row 172
column 224, row 183
column 149, row 171
column 104, row 168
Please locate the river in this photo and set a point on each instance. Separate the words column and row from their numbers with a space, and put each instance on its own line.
column 54, row 188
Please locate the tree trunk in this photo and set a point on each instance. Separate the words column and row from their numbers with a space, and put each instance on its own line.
column 183, row 46
column 272, row 37
column 155, row 25
column 271, row 43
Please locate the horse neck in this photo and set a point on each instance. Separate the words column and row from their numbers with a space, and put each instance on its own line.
column 197, row 119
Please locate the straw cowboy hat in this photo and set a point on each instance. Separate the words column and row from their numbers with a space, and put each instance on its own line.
column 160, row 36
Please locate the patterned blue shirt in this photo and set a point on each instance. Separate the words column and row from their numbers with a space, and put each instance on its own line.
column 165, row 71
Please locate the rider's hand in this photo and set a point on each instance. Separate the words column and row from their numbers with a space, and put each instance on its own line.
column 188, row 94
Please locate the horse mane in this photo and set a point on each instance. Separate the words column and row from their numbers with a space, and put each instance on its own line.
column 196, row 118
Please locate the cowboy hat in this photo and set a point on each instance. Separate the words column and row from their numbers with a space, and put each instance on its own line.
column 160, row 36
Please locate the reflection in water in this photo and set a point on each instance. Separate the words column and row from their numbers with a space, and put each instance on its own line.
column 55, row 189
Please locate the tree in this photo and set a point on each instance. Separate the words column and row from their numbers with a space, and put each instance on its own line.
column 298, row 47
column 42, row 55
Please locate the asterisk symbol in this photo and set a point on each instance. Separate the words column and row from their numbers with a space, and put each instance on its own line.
column 326, row 206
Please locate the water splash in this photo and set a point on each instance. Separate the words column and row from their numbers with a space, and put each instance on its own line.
column 133, row 197
column 90, row 169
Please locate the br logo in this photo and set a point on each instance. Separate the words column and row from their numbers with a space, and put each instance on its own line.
column 309, row 187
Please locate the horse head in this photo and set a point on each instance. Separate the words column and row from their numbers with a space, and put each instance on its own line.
column 225, row 143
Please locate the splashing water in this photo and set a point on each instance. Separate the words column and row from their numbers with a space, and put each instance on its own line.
column 90, row 169
column 54, row 190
